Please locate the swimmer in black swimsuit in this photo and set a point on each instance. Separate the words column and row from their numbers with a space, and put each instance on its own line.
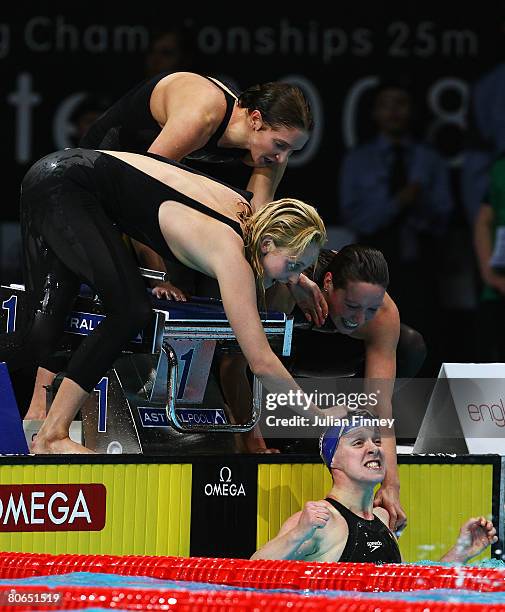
column 186, row 116
column 75, row 203
column 345, row 526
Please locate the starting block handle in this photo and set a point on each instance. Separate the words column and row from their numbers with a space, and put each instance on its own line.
column 171, row 392
column 154, row 274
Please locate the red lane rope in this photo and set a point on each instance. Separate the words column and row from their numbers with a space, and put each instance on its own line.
column 73, row 598
column 365, row 577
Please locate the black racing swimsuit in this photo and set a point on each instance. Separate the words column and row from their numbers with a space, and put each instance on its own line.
column 75, row 204
column 368, row 541
column 128, row 125
column 136, row 210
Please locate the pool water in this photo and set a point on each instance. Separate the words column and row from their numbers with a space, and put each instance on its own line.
column 91, row 579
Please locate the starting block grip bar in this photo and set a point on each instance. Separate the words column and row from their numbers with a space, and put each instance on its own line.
column 154, row 274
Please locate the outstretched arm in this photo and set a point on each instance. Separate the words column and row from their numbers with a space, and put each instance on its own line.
column 474, row 536
column 238, row 292
column 264, row 182
column 380, row 373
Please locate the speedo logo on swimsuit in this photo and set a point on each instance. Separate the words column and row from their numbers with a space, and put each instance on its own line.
column 373, row 545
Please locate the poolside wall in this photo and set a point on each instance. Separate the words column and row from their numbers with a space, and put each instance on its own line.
column 217, row 506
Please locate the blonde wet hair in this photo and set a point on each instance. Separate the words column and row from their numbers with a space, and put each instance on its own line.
column 292, row 224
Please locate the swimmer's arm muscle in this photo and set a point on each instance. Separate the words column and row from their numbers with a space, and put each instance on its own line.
column 238, row 292
column 190, row 117
column 181, row 135
column 381, row 341
column 264, row 182
column 287, row 544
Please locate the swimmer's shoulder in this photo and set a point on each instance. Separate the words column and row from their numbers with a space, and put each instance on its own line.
column 189, row 87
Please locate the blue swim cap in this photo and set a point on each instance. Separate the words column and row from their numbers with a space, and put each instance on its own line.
column 328, row 442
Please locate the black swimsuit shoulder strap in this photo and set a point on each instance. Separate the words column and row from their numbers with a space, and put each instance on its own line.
column 348, row 514
column 231, row 99
column 345, row 512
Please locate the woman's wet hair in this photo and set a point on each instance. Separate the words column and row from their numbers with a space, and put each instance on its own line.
column 358, row 263
column 280, row 105
column 290, row 223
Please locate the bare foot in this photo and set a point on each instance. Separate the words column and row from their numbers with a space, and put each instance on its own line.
column 253, row 442
column 63, row 446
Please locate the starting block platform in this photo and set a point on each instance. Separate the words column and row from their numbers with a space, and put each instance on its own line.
column 165, row 383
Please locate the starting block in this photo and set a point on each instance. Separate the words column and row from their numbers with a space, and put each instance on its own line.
column 163, row 389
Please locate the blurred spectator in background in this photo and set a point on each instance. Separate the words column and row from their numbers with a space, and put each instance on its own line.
column 485, row 140
column 489, row 235
column 483, row 198
column 91, row 106
column 395, row 194
column 168, row 52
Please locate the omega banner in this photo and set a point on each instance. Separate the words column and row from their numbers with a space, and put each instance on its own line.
column 221, row 494
column 52, row 507
column 210, row 505
column 223, row 508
